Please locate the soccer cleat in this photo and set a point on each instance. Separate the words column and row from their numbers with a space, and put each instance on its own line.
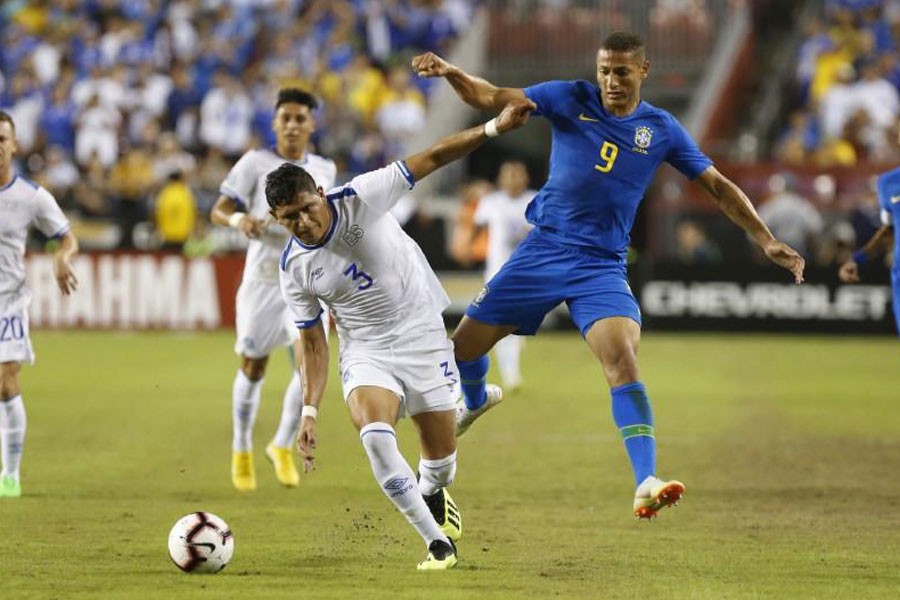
column 242, row 474
column 10, row 487
column 465, row 417
column 441, row 556
column 283, row 461
column 654, row 495
column 446, row 513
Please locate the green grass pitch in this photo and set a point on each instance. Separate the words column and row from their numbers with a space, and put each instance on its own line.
column 789, row 447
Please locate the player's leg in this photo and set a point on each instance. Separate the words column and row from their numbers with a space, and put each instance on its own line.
column 245, row 394
column 374, row 411
column 437, row 467
column 615, row 341
column 508, row 351
column 12, row 429
column 472, row 340
column 607, row 314
column 516, row 300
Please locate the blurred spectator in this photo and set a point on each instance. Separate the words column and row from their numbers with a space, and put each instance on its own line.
column 91, row 192
column 791, row 217
column 838, row 102
column 175, row 212
column 225, row 117
column 169, row 158
column 131, row 181
column 60, row 176
column 97, row 133
column 401, row 114
column 815, row 41
column 465, row 249
column 58, row 119
column 801, row 140
column 693, row 247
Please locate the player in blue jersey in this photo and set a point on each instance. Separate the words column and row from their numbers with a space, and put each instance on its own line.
column 889, row 201
column 607, row 145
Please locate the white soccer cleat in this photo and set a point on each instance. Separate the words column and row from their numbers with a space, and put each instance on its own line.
column 465, row 417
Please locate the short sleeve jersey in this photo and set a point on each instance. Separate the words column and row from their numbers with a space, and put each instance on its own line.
column 504, row 217
column 373, row 277
column 23, row 204
column 601, row 165
column 888, row 186
column 246, row 185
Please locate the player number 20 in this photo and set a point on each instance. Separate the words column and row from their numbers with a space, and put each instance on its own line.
column 608, row 154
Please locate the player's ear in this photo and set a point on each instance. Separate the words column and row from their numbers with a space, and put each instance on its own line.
column 645, row 69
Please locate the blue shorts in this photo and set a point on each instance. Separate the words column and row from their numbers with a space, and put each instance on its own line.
column 541, row 274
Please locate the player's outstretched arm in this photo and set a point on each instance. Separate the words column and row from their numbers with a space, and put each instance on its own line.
column 734, row 203
column 225, row 212
column 474, row 91
column 314, row 375
column 62, row 263
column 880, row 241
column 454, row 147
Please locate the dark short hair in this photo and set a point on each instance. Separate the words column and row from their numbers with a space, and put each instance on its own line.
column 284, row 183
column 5, row 118
column 298, row 96
column 623, row 41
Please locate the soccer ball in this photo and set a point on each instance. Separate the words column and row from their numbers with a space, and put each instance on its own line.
column 201, row 542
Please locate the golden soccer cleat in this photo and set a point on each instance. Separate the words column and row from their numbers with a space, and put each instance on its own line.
column 242, row 475
column 283, row 461
column 441, row 556
column 654, row 495
column 446, row 513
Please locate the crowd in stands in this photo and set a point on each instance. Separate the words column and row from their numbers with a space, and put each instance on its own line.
column 848, row 82
column 119, row 102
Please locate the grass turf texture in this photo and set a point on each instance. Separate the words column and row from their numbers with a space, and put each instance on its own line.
column 789, row 448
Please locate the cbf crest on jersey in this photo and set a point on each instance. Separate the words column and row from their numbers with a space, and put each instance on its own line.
column 643, row 135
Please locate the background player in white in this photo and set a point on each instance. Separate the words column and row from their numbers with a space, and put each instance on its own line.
column 503, row 214
column 23, row 204
column 262, row 321
column 349, row 253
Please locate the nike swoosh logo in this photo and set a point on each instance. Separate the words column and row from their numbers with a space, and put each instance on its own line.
column 895, row 199
column 207, row 545
column 584, row 117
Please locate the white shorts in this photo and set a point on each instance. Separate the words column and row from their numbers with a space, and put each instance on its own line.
column 422, row 372
column 15, row 344
column 262, row 322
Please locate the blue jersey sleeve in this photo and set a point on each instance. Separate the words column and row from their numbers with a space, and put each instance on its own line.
column 683, row 153
column 550, row 96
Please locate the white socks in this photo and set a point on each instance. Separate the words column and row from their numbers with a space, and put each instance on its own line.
column 397, row 480
column 436, row 474
column 12, row 435
column 290, row 414
column 507, row 351
column 244, row 404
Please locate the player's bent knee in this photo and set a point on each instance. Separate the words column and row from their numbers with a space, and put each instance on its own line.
column 254, row 368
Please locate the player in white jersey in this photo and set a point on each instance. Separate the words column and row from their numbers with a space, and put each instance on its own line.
column 350, row 254
column 262, row 321
column 503, row 214
column 23, row 204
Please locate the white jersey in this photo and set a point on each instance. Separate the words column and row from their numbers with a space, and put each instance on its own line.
column 23, row 204
column 373, row 277
column 246, row 185
column 504, row 217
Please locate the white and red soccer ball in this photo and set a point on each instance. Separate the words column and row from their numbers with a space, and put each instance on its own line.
column 201, row 542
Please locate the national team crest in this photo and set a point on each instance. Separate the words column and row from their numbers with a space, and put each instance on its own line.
column 643, row 135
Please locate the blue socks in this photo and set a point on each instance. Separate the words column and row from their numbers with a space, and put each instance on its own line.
column 634, row 418
column 473, row 375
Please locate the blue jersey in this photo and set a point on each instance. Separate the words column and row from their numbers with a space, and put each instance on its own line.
column 889, row 200
column 601, row 165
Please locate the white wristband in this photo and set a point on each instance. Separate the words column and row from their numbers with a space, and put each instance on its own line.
column 310, row 411
column 235, row 219
column 490, row 128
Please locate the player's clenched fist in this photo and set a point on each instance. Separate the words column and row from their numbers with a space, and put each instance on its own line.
column 430, row 65
column 514, row 115
column 849, row 272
